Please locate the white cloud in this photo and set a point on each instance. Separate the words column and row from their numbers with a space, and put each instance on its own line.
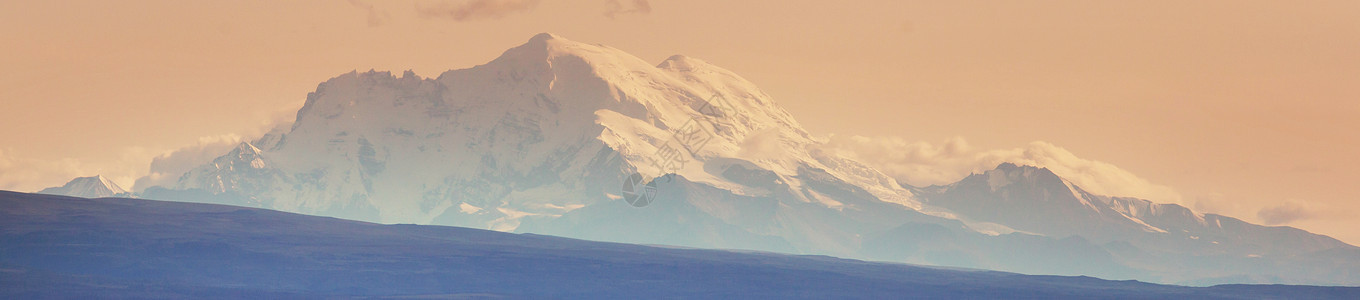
column 167, row 167
column 762, row 144
column 924, row 163
column 1218, row 203
column 1290, row 211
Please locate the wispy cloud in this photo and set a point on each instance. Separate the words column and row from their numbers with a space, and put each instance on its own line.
column 477, row 9
column 1289, row 212
column 924, row 163
column 167, row 167
column 762, row 144
column 1218, row 203
column 616, row 8
column 376, row 17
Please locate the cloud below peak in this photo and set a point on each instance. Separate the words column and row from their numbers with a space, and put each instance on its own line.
column 924, row 164
column 1289, row 211
column 167, row 167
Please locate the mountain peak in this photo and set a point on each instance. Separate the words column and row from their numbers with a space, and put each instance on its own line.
column 1010, row 166
column 1015, row 171
column 550, row 114
column 544, row 36
column 544, row 46
column 96, row 186
column 245, row 154
column 1006, row 166
column 1026, row 178
column 682, row 63
column 247, row 148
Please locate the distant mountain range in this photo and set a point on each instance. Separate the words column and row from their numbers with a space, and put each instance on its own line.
column 1177, row 244
column 113, row 248
column 552, row 137
column 88, row 187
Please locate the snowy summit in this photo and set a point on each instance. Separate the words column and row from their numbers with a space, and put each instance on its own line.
column 87, row 187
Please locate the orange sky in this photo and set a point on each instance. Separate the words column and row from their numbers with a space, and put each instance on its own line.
column 1233, row 106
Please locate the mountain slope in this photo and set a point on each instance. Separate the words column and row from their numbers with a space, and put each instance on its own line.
column 53, row 246
column 1177, row 242
column 88, row 187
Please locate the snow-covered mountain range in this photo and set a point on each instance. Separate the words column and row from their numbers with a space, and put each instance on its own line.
column 544, row 139
column 1167, row 239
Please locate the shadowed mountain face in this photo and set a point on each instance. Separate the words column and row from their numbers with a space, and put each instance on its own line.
column 543, row 138
column 55, row 246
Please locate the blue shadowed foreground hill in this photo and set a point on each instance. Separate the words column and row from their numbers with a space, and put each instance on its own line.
column 56, row 246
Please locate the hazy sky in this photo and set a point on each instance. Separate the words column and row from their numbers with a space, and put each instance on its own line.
column 1247, row 108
